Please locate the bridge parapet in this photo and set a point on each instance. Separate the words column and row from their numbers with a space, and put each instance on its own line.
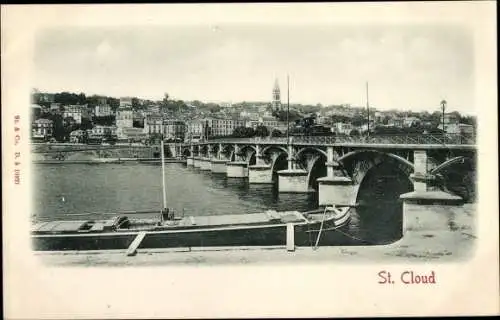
column 390, row 139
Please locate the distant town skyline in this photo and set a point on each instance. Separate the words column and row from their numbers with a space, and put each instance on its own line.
column 407, row 67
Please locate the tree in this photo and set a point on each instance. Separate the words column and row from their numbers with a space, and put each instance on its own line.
column 135, row 103
column 354, row 133
column 468, row 120
column 59, row 131
column 243, row 132
column 86, row 124
column 358, row 120
column 261, row 131
column 114, row 103
column 276, row 133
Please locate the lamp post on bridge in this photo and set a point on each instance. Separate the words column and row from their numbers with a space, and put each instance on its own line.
column 443, row 108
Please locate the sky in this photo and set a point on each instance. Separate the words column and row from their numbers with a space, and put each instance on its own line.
column 408, row 67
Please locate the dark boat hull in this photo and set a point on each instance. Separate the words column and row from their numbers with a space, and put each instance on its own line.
column 264, row 235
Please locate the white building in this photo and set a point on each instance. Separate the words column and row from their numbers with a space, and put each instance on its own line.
column 102, row 131
column 152, row 124
column 409, row 121
column 103, row 110
column 131, row 134
column 76, row 136
column 75, row 112
column 153, row 109
column 42, row 129
column 194, row 129
column 223, row 127
column 126, row 102
column 342, row 128
column 124, row 117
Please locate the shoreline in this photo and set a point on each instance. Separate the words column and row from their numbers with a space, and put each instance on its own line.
column 111, row 160
column 442, row 246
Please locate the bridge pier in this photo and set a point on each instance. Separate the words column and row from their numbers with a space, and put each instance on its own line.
column 205, row 164
column 293, row 180
column 261, row 172
column 218, row 165
column 190, row 161
column 197, row 162
column 428, row 208
column 337, row 190
column 236, row 169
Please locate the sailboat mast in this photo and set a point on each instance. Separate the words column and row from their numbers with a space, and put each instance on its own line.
column 163, row 169
column 288, row 110
column 368, row 108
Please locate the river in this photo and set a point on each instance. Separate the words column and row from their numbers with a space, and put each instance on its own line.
column 84, row 191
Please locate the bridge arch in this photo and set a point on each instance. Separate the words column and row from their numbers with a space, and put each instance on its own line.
column 357, row 153
column 270, row 147
column 448, row 163
column 314, row 149
column 203, row 150
column 278, row 162
column 186, row 152
column 380, row 210
column 316, row 169
column 458, row 177
column 226, row 151
column 247, row 146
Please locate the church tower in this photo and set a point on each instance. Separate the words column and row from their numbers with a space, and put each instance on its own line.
column 276, row 97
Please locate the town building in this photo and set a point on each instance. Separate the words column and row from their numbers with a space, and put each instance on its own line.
column 42, row 129
column 103, row 131
column 130, row 134
column 248, row 114
column 174, row 129
column 223, row 127
column 411, row 121
column 194, row 129
column 276, row 102
column 269, row 122
column 55, row 108
column 397, row 122
column 153, row 109
column 342, row 128
column 262, row 108
column 450, row 118
column 152, row 124
column 75, row 112
column 458, row 128
column 124, row 117
column 126, row 102
column 77, row 136
column 378, row 117
column 103, row 110
column 36, row 111
column 452, row 125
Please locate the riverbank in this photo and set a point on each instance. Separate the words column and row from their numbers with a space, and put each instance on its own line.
column 110, row 160
column 417, row 247
column 444, row 246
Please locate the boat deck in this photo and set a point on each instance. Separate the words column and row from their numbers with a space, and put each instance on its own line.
column 58, row 226
column 238, row 219
column 185, row 222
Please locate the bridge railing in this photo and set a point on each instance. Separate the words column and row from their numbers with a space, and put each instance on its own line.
column 428, row 139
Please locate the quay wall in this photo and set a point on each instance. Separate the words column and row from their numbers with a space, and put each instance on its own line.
column 88, row 152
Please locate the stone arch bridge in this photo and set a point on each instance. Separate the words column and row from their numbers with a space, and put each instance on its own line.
column 439, row 168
